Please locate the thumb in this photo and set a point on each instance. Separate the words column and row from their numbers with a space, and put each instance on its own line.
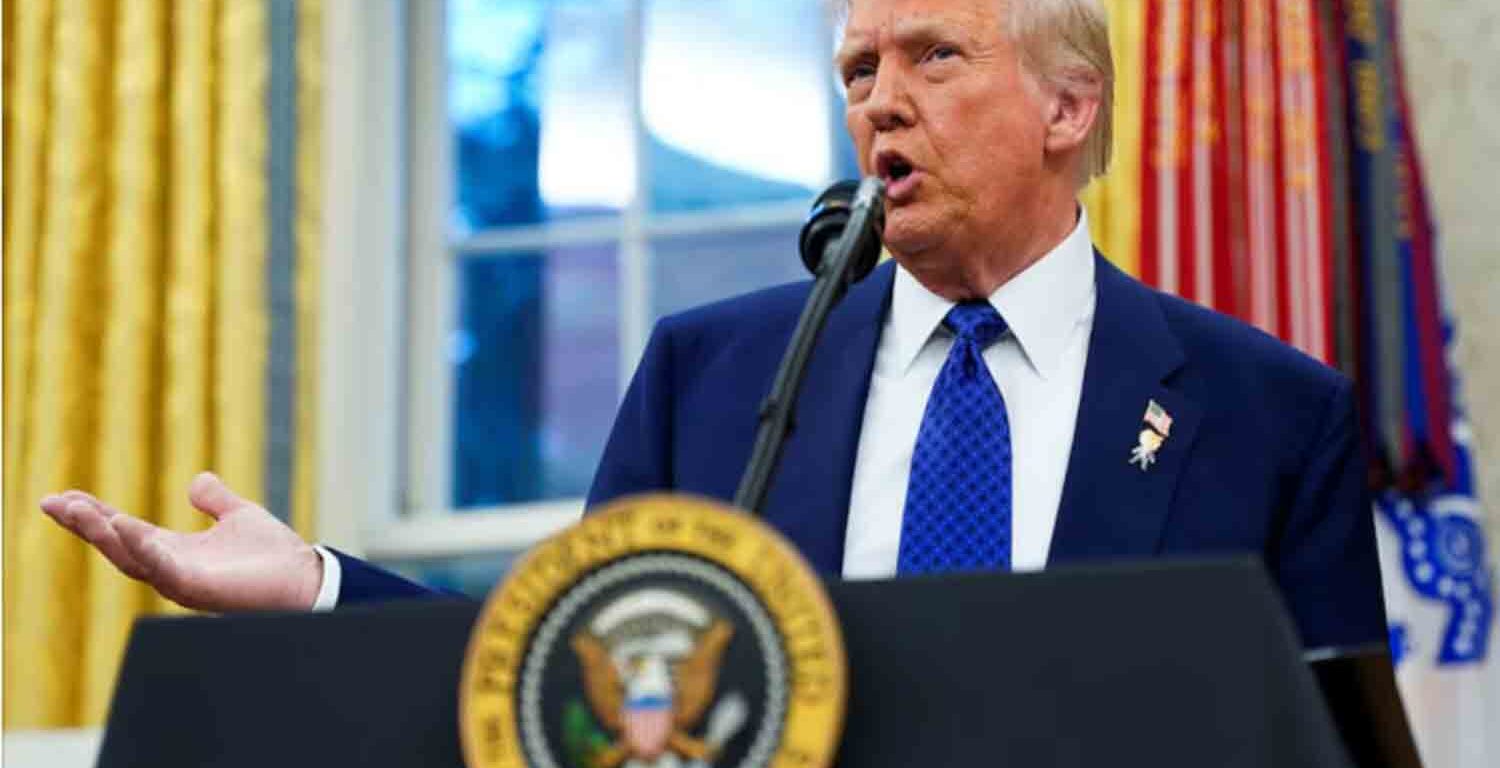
column 212, row 497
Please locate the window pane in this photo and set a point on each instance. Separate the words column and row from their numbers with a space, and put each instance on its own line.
column 539, row 110
column 692, row 270
column 536, row 357
column 845, row 164
column 736, row 96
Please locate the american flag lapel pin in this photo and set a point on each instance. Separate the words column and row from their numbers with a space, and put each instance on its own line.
column 1157, row 427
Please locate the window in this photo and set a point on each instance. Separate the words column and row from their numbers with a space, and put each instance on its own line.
column 578, row 169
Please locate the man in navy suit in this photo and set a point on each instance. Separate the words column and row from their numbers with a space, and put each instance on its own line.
column 997, row 396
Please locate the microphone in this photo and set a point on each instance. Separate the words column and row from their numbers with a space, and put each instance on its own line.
column 840, row 243
column 830, row 215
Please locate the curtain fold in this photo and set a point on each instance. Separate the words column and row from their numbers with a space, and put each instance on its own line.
column 308, row 234
column 242, row 324
column 125, row 365
column 1113, row 201
column 28, row 28
column 58, row 374
column 135, row 303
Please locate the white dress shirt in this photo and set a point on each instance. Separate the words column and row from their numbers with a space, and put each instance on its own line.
column 333, row 577
column 1038, row 366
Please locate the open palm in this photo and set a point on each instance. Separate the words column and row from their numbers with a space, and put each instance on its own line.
column 248, row 560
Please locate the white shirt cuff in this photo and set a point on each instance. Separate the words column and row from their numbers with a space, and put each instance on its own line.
column 333, row 573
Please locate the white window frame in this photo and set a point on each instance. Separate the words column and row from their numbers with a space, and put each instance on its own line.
column 359, row 329
column 386, row 387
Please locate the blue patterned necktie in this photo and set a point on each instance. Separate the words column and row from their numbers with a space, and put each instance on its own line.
column 958, row 500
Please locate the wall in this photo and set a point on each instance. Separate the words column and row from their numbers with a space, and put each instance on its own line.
column 1452, row 51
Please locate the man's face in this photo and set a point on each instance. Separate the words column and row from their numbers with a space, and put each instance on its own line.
column 941, row 109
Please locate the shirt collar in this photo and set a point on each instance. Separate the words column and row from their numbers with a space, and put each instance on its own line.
column 1041, row 304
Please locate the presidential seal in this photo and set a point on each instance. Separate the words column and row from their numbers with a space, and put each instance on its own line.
column 660, row 632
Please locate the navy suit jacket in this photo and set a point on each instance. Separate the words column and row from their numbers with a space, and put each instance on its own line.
column 1263, row 455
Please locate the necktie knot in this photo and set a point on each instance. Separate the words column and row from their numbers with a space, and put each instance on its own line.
column 975, row 321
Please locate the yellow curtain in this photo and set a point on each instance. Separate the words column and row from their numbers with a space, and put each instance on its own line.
column 1114, row 200
column 309, row 242
column 135, row 304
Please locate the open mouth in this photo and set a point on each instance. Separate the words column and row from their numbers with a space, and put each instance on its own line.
column 893, row 167
column 899, row 174
column 899, row 170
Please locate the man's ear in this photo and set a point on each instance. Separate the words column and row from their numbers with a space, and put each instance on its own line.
column 1072, row 110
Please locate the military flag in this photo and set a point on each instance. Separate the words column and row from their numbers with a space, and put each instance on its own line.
column 1279, row 181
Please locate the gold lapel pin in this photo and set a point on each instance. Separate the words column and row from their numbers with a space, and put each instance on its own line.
column 1158, row 426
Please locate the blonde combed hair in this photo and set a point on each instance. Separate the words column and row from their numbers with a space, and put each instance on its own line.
column 1065, row 44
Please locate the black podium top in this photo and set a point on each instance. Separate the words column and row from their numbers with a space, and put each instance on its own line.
column 1154, row 665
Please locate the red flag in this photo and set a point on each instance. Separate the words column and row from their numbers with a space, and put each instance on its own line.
column 1260, row 143
column 1165, row 139
column 1436, row 387
column 1304, row 207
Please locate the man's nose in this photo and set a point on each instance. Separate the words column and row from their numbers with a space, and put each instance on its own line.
column 889, row 106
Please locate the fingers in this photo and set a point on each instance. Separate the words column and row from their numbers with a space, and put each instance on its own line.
column 57, row 504
column 212, row 497
column 146, row 545
column 95, row 528
column 62, row 509
column 56, row 508
column 88, row 518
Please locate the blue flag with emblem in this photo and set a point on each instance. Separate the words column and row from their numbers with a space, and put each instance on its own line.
column 1439, row 590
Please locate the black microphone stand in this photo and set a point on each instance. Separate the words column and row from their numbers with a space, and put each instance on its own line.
column 844, row 262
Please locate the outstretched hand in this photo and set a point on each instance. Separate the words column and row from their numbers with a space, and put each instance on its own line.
column 248, row 560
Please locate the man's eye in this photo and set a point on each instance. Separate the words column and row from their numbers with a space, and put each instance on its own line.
column 941, row 52
column 858, row 72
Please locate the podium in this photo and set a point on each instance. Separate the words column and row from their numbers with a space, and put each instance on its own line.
column 1162, row 664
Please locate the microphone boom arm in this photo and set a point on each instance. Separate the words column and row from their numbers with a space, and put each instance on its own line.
column 837, row 271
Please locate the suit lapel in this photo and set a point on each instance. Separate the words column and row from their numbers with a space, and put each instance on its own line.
column 1111, row 507
column 809, row 498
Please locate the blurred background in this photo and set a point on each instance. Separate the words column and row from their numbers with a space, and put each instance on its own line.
column 388, row 265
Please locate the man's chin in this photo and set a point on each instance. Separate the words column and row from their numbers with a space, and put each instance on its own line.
column 911, row 235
